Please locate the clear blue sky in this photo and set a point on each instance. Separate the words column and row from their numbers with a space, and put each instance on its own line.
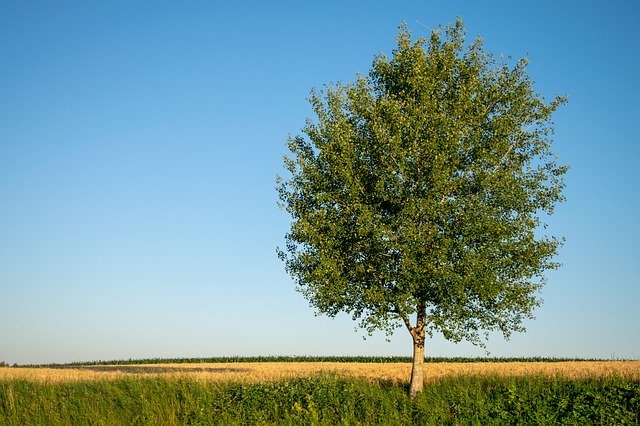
column 139, row 145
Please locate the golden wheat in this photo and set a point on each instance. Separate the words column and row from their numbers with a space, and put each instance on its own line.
column 389, row 372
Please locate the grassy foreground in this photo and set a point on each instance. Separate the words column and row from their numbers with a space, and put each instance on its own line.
column 322, row 399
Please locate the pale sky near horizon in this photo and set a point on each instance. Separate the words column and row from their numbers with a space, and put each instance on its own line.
column 139, row 143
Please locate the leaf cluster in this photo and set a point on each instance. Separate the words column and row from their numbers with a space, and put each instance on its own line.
column 422, row 186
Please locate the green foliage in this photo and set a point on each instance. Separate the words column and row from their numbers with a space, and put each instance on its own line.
column 322, row 400
column 419, row 189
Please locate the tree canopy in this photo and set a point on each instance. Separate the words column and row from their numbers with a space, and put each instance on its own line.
column 418, row 191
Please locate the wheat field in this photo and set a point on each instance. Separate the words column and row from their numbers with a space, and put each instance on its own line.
column 393, row 372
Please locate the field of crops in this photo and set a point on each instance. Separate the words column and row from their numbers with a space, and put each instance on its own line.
column 244, row 391
column 388, row 372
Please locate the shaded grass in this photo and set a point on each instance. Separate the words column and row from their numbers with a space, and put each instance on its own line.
column 322, row 399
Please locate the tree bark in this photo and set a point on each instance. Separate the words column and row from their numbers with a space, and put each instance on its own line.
column 419, row 336
column 417, row 369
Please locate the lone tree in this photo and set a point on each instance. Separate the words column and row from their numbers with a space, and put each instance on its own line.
column 417, row 194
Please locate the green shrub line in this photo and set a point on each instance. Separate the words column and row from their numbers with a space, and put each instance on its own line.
column 287, row 358
column 322, row 399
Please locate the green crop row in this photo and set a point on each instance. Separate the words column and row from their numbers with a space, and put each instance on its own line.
column 369, row 359
column 322, row 400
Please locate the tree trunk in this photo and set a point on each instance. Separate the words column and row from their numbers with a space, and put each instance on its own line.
column 418, row 333
column 417, row 369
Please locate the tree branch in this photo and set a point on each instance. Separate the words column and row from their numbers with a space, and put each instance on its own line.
column 511, row 146
column 404, row 318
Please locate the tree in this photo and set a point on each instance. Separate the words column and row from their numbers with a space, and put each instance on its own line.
column 417, row 196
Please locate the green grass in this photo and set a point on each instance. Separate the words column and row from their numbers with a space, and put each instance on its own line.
column 322, row 400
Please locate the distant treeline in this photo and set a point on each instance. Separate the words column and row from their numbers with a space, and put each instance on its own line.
column 287, row 358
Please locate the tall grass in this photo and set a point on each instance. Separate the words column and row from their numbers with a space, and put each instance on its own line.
column 321, row 400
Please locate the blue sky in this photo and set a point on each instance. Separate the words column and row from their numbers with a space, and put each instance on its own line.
column 139, row 146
